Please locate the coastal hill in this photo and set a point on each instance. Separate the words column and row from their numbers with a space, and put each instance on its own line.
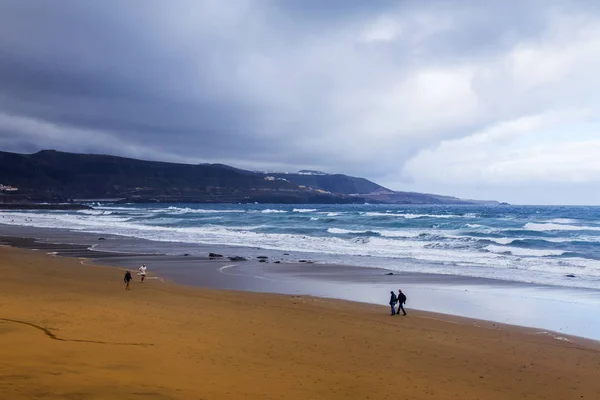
column 334, row 183
column 54, row 176
column 370, row 191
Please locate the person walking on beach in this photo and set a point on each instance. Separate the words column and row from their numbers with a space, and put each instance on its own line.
column 401, row 302
column 127, row 279
column 143, row 271
column 393, row 300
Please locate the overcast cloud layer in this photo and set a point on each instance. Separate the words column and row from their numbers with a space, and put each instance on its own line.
column 469, row 98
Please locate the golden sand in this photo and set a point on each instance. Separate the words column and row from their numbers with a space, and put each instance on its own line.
column 71, row 331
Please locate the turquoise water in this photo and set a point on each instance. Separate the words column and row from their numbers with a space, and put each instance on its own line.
column 539, row 245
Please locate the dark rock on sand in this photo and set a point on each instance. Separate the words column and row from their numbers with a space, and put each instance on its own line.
column 302, row 261
column 286, row 254
column 101, row 238
column 215, row 255
column 237, row 258
column 186, row 254
column 262, row 257
column 570, row 276
column 262, row 260
column 390, row 273
column 277, row 262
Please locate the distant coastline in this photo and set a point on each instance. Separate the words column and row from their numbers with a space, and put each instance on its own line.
column 51, row 176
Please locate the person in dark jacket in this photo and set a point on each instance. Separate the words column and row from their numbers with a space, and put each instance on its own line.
column 401, row 302
column 393, row 300
column 127, row 279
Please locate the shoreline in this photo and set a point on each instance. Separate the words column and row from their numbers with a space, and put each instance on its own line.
column 90, row 244
column 465, row 250
column 70, row 330
column 99, row 262
column 365, row 285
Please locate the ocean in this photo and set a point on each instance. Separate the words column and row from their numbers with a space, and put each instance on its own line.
column 556, row 246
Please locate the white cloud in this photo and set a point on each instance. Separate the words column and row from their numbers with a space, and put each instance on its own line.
column 409, row 27
column 543, row 95
column 514, row 153
column 356, row 104
column 384, row 29
column 569, row 48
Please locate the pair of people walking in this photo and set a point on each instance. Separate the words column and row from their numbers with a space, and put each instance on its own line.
column 400, row 299
column 127, row 279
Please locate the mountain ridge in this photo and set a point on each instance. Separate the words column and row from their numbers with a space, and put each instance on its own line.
column 50, row 175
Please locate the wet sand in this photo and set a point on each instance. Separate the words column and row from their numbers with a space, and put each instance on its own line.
column 561, row 309
column 69, row 330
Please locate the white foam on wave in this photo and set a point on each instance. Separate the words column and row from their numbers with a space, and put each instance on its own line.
column 382, row 233
column 562, row 221
column 60, row 220
column 187, row 210
column 548, row 227
column 95, row 212
column 117, row 208
column 333, row 214
column 241, row 228
column 503, row 240
column 304, row 210
column 507, row 240
column 400, row 233
column 235, row 236
column 271, row 211
column 169, row 221
column 415, row 216
column 339, row 231
column 521, row 252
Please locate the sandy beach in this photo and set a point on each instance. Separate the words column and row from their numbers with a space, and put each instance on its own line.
column 69, row 330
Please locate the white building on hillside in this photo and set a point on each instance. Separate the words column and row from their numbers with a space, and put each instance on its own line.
column 8, row 189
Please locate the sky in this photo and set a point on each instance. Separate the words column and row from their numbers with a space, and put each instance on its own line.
column 487, row 100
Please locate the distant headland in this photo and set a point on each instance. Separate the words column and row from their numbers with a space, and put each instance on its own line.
column 59, row 177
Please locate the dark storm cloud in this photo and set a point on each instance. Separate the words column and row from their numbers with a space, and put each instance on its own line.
column 104, row 65
column 340, row 85
column 97, row 69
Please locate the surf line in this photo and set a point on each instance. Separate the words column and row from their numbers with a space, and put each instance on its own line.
column 223, row 268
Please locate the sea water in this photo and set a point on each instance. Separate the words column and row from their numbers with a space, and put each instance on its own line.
column 544, row 245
